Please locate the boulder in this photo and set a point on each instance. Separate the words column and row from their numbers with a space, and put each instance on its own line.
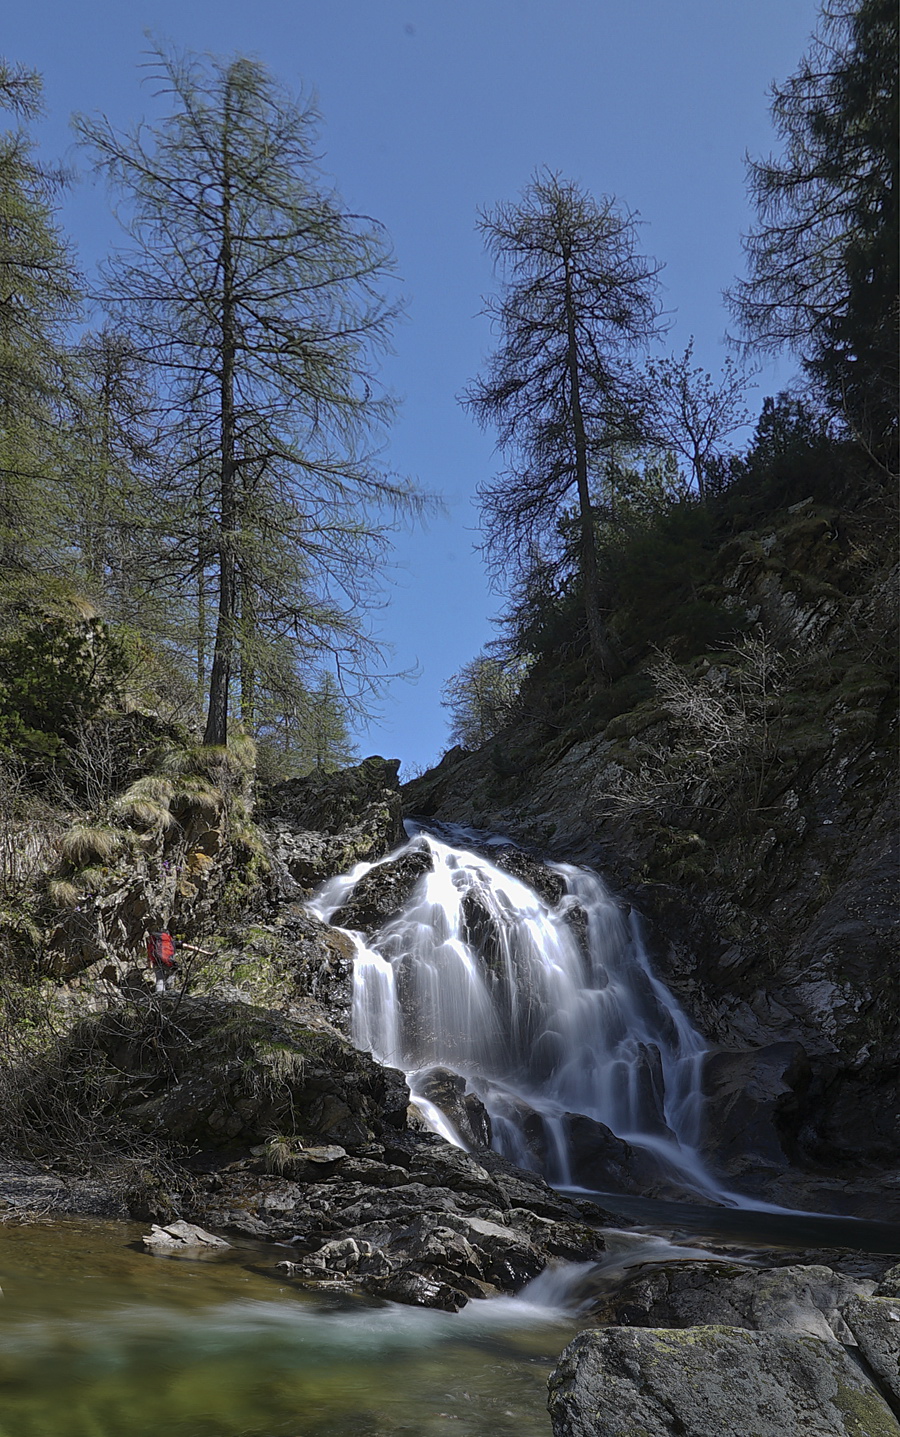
column 382, row 892
column 712, row 1381
column 875, row 1323
column 227, row 1075
column 182, row 1237
column 465, row 1110
column 788, row 1299
column 601, row 1160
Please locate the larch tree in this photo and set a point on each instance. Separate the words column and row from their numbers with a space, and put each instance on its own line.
column 38, row 299
column 259, row 301
column 481, row 698
column 578, row 299
column 824, row 257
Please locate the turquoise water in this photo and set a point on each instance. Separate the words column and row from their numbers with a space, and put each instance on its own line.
column 98, row 1339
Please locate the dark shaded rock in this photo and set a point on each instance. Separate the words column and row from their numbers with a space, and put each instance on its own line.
column 601, row 1160
column 228, row 1075
column 531, row 870
column 709, row 1381
column 754, row 1105
column 381, row 893
column 464, row 1110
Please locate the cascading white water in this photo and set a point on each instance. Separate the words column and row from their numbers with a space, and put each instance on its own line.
column 546, row 1011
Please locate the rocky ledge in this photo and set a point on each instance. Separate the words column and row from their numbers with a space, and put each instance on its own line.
column 711, row 1351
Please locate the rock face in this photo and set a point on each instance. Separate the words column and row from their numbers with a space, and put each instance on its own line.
column 711, row 1381
column 755, row 1101
column 769, row 879
column 321, row 825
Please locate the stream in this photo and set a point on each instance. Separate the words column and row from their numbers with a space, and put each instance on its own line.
column 100, row 1339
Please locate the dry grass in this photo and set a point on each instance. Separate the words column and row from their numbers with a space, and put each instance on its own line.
column 146, row 803
column 87, row 843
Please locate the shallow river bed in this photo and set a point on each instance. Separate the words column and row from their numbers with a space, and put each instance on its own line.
column 98, row 1339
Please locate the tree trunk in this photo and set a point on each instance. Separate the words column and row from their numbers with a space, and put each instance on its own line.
column 223, row 652
column 601, row 648
column 248, row 664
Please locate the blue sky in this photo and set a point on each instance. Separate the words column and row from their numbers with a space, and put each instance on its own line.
column 432, row 110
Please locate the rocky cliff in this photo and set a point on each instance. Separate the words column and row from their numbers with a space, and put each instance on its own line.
column 746, row 806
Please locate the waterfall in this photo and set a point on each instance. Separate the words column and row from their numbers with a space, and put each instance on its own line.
column 549, row 1011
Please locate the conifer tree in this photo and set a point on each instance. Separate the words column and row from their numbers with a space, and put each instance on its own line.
column 38, row 298
column 258, row 300
column 578, row 299
column 824, row 257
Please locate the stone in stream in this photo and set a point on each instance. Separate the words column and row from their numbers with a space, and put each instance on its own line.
column 382, row 892
column 181, row 1237
column 463, row 1109
column 712, row 1382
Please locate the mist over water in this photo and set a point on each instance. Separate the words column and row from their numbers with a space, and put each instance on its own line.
column 546, row 1009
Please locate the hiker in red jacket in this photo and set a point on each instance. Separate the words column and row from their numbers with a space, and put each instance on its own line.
column 161, row 958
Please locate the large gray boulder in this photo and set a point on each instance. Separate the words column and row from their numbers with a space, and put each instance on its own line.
column 804, row 1299
column 875, row 1323
column 712, row 1382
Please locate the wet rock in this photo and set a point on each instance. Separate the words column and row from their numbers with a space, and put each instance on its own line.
column 508, row 1258
column 531, row 870
column 875, row 1324
column 418, row 1290
column 754, row 1105
column 465, row 1110
column 709, row 1381
column 382, row 892
column 182, row 1237
column 601, row 1160
column 793, row 1299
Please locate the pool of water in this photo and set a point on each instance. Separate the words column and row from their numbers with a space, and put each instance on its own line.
column 99, row 1339
column 750, row 1227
